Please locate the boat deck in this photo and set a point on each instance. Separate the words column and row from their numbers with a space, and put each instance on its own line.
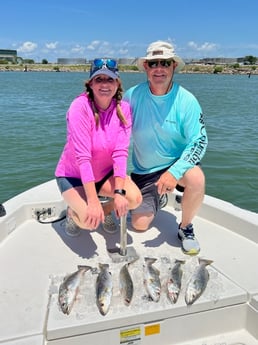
column 35, row 257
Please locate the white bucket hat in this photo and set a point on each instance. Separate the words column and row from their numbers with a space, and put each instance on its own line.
column 161, row 50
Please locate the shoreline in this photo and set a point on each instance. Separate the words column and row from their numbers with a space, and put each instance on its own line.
column 191, row 68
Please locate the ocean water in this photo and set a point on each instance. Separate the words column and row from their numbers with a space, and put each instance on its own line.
column 33, row 129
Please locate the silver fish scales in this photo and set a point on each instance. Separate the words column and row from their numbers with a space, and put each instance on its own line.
column 175, row 281
column 69, row 289
column 151, row 279
column 198, row 282
column 104, row 289
column 126, row 283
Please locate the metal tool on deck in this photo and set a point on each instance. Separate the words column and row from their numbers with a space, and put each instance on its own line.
column 123, row 253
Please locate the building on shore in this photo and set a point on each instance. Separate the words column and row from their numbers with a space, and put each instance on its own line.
column 127, row 61
column 8, row 55
column 71, row 61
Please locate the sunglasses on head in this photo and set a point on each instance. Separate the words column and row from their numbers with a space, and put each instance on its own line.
column 105, row 63
column 162, row 63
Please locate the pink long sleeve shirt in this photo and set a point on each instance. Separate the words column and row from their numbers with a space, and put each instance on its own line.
column 91, row 152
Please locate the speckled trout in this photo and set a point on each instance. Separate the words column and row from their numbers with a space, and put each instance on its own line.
column 104, row 289
column 175, row 281
column 151, row 279
column 198, row 282
column 69, row 289
column 126, row 283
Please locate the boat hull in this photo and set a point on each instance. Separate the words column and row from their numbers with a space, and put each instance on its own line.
column 37, row 256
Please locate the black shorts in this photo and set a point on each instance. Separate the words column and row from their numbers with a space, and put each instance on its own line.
column 146, row 183
column 65, row 183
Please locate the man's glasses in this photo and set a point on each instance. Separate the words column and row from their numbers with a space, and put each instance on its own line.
column 162, row 63
column 105, row 63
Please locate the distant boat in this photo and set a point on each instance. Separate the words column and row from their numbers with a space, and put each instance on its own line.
column 36, row 254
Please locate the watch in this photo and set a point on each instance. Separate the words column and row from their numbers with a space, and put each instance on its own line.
column 120, row 191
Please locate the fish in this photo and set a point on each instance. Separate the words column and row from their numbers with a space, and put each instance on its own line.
column 69, row 289
column 104, row 289
column 198, row 281
column 151, row 279
column 126, row 283
column 175, row 281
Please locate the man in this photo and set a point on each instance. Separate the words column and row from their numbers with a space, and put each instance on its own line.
column 169, row 141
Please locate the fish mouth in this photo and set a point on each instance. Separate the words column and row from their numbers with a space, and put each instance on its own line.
column 65, row 308
column 103, row 309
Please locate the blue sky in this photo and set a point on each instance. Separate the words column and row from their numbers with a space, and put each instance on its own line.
column 51, row 29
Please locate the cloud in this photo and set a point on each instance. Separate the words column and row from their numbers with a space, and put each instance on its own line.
column 100, row 49
column 123, row 48
column 51, row 45
column 205, row 47
column 78, row 49
column 123, row 51
column 27, row 47
column 93, row 45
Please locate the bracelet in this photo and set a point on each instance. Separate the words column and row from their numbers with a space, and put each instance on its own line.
column 120, row 191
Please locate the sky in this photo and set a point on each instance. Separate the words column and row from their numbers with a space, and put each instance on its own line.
column 52, row 29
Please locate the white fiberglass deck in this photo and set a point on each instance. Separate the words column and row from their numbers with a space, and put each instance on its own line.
column 34, row 258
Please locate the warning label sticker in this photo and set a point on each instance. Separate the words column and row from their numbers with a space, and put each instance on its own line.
column 130, row 336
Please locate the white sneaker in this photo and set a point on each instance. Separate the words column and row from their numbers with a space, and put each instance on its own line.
column 189, row 242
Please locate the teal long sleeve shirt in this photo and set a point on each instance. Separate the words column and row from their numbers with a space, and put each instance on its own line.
column 168, row 130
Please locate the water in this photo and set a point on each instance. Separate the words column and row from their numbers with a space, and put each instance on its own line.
column 33, row 129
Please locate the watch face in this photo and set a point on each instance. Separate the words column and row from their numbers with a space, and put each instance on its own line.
column 120, row 191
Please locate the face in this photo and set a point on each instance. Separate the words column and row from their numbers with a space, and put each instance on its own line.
column 103, row 87
column 160, row 71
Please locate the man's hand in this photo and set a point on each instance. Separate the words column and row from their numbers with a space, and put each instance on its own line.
column 166, row 183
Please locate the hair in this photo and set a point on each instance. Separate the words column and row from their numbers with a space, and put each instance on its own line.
column 118, row 97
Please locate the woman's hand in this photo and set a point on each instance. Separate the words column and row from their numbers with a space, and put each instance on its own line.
column 120, row 205
column 95, row 215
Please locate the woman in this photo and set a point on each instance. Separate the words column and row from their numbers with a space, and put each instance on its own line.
column 94, row 160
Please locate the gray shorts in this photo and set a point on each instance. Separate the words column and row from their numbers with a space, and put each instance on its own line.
column 150, row 195
column 65, row 183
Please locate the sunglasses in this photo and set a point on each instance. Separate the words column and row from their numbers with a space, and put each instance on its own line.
column 162, row 63
column 105, row 63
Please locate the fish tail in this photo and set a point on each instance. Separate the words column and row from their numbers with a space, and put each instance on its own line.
column 133, row 261
column 103, row 266
column 84, row 267
column 179, row 261
column 150, row 260
column 205, row 261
